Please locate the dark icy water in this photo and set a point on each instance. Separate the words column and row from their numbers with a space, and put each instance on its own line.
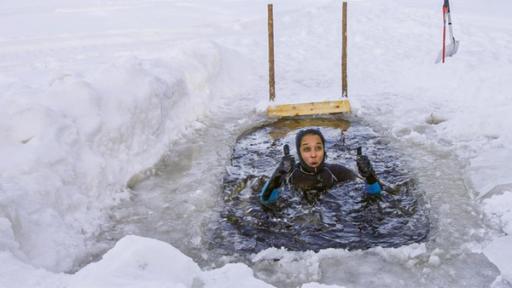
column 202, row 200
column 343, row 217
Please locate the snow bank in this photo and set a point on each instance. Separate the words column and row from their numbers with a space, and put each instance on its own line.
column 133, row 262
column 70, row 142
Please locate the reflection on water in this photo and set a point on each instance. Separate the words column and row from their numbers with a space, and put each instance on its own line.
column 341, row 218
column 283, row 126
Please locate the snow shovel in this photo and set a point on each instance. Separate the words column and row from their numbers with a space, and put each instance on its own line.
column 453, row 46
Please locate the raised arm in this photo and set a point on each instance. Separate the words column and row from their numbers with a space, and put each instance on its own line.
column 272, row 188
column 373, row 187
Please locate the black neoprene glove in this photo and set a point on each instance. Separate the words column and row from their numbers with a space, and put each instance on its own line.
column 366, row 169
column 287, row 162
column 284, row 167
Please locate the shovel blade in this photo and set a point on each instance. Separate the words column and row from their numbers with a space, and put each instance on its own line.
column 450, row 50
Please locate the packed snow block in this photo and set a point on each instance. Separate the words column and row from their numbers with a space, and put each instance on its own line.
column 231, row 276
column 499, row 252
column 139, row 262
column 489, row 172
column 499, row 210
column 318, row 285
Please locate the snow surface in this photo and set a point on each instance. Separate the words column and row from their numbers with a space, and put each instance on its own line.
column 95, row 93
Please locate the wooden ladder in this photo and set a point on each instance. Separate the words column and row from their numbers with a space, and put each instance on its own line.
column 311, row 108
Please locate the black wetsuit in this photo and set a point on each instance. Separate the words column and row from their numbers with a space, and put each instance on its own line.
column 311, row 182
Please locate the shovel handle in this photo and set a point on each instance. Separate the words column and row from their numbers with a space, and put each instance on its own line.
column 445, row 10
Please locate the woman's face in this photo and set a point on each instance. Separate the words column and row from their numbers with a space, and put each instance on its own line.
column 312, row 150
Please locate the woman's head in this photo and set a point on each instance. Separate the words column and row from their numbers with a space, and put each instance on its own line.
column 310, row 144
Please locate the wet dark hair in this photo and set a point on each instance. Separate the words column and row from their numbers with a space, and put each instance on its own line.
column 298, row 139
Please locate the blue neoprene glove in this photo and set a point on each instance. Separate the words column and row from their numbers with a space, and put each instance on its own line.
column 373, row 189
column 365, row 168
column 274, row 194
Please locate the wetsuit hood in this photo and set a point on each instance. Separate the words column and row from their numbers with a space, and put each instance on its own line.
column 298, row 139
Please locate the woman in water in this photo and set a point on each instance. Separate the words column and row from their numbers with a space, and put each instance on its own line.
column 312, row 176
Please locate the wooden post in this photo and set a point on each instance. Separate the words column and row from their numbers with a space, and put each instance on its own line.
column 344, row 82
column 271, row 71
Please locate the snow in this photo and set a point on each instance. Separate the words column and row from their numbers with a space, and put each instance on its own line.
column 134, row 261
column 96, row 93
column 499, row 208
column 500, row 256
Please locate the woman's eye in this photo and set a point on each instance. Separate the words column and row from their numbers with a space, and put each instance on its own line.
column 306, row 149
column 318, row 148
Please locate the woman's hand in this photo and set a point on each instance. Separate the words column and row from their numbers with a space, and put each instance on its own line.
column 365, row 168
column 287, row 162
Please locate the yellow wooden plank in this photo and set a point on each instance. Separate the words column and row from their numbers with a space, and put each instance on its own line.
column 313, row 108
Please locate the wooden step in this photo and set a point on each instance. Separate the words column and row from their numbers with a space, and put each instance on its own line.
column 312, row 108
